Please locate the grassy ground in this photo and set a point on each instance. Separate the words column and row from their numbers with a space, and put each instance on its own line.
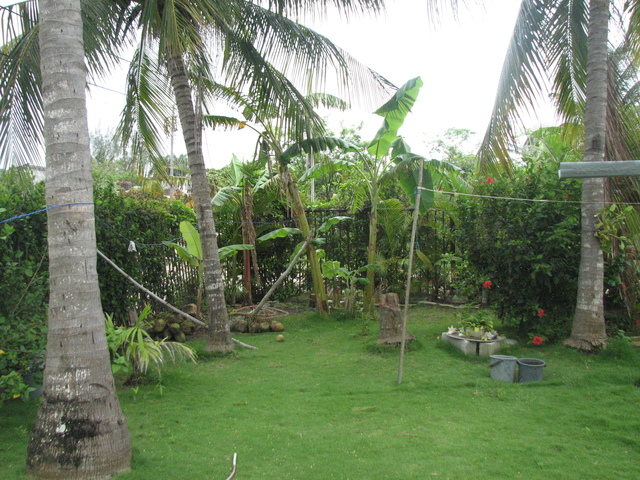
column 324, row 404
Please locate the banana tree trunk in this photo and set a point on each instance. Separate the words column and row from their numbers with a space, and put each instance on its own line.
column 80, row 431
column 300, row 217
column 219, row 335
column 588, row 330
column 369, row 290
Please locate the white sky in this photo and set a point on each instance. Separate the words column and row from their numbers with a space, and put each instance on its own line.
column 459, row 62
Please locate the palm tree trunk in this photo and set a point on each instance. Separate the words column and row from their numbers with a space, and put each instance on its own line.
column 219, row 335
column 588, row 330
column 80, row 431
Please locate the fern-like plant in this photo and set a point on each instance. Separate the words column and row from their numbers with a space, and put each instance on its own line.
column 133, row 350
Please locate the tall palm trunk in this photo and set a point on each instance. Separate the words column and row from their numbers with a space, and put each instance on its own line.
column 219, row 335
column 588, row 329
column 80, row 431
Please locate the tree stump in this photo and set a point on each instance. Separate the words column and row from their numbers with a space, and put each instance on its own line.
column 391, row 320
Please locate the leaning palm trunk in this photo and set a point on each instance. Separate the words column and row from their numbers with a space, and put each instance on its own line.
column 588, row 330
column 219, row 335
column 300, row 217
column 80, row 432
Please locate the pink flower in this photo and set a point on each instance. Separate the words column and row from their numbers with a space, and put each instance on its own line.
column 537, row 340
column 490, row 180
column 487, row 284
column 541, row 313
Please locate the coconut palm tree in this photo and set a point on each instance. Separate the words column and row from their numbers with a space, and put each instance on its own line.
column 174, row 37
column 564, row 44
column 80, row 430
column 253, row 38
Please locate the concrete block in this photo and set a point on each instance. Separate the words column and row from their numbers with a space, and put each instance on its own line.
column 487, row 349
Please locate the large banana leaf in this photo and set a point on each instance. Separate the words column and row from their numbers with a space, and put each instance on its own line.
column 394, row 113
column 192, row 238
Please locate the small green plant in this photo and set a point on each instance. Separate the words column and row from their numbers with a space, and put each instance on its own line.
column 480, row 320
column 332, row 269
column 12, row 386
column 133, row 350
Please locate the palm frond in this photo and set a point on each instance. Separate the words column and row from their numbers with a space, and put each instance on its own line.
column 316, row 145
column 520, row 83
column 567, row 52
column 297, row 8
column 218, row 122
column 21, row 118
column 20, row 96
column 148, row 107
column 328, row 101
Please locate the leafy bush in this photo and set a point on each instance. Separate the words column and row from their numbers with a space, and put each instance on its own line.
column 23, row 282
column 529, row 250
column 147, row 222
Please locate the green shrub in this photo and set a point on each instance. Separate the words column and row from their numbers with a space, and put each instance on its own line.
column 23, row 281
column 529, row 250
column 147, row 222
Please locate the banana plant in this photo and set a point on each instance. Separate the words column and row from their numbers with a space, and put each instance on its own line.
column 332, row 269
column 388, row 157
column 309, row 141
column 192, row 253
column 246, row 180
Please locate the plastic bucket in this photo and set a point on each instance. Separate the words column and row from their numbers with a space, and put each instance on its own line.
column 530, row 370
column 503, row 367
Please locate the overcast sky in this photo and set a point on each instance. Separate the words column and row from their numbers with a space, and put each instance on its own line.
column 459, row 62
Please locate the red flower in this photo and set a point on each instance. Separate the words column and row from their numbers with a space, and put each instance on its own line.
column 537, row 340
column 541, row 313
column 624, row 287
column 487, row 284
column 567, row 196
column 490, row 180
column 632, row 250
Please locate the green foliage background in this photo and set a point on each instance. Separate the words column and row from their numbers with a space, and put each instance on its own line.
column 530, row 251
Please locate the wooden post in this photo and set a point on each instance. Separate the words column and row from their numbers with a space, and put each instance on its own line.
column 390, row 319
column 414, row 229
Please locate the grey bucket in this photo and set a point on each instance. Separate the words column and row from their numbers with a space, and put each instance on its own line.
column 530, row 369
column 503, row 367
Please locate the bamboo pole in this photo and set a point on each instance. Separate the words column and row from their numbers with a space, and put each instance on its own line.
column 414, row 228
column 158, row 299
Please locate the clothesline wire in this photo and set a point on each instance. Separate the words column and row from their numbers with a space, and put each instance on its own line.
column 534, row 200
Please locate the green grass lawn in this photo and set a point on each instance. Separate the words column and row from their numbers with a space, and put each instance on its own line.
column 325, row 404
